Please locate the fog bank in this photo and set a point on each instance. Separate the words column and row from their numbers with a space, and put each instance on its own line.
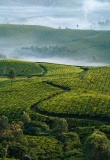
column 65, row 61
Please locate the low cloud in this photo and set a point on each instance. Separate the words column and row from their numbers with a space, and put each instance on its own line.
column 92, row 5
column 65, row 61
column 86, row 13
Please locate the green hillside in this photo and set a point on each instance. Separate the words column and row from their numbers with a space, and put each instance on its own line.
column 22, row 68
column 40, row 34
column 44, row 42
column 88, row 93
column 56, row 89
column 38, row 41
column 53, row 111
column 95, row 48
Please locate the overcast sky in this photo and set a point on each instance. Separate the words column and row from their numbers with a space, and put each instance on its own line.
column 83, row 14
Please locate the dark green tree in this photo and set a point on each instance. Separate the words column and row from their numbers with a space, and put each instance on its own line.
column 3, row 123
column 17, row 150
column 60, row 125
column 3, row 70
column 3, row 152
column 97, row 146
column 12, row 74
column 26, row 118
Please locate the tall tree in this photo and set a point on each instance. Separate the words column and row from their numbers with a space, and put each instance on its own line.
column 97, row 146
column 60, row 125
column 26, row 118
column 12, row 74
column 3, row 122
column 3, row 70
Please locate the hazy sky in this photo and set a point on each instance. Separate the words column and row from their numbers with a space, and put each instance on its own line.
column 73, row 14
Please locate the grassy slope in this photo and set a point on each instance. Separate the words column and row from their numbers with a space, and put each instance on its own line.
column 97, row 46
column 22, row 68
column 40, row 34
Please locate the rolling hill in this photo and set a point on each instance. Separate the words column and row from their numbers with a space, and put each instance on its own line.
column 88, row 46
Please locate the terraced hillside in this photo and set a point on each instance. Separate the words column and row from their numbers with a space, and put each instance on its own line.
column 56, row 90
column 52, row 109
column 87, row 93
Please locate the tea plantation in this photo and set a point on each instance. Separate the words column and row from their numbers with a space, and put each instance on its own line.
column 53, row 111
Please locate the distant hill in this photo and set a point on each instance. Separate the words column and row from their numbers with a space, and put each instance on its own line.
column 45, row 42
column 22, row 34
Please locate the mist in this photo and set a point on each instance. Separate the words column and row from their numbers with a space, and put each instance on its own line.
column 73, row 14
column 86, row 14
column 68, row 59
column 65, row 61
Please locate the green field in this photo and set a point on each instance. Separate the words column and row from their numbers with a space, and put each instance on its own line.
column 81, row 95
